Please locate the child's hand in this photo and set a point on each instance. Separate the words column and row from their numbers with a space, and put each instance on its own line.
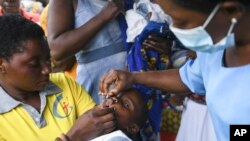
column 159, row 44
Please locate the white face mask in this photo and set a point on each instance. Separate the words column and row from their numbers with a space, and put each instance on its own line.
column 197, row 39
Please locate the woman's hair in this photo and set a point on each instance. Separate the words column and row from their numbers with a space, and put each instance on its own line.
column 205, row 6
column 14, row 31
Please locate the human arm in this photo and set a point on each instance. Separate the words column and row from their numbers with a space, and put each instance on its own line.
column 167, row 80
column 63, row 39
column 64, row 65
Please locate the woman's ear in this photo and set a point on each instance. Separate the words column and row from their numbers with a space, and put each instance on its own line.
column 133, row 129
column 2, row 66
column 233, row 9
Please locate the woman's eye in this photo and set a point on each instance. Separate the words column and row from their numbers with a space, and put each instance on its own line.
column 34, row 64
column 48, row 62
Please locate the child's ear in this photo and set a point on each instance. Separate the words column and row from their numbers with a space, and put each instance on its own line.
column 133, row 128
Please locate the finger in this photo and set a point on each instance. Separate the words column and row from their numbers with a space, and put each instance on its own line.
column 58, row 139
column 146, row 44
column 115, row 91
column 109, row 125
column 101, row 84
column 64, row 137
column 111, row 78
column 108, row 130
column 149, row 46
column 152, row 43
column 103, row 104
column 155, row 38
column 106, row 112
column 110, row 117
column 106, row 81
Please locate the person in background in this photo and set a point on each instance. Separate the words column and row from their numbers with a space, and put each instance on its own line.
column 32, row 6
column 44, row 104
column 43, row 20
column 69, row 65
column 89, row 30
column 13, row 7
column 44, row 2
column 216, row 30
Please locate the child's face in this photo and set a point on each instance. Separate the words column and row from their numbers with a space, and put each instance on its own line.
column 126, row 107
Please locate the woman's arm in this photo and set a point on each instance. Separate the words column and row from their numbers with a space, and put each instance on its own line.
column 63, row 39
column 167, row 80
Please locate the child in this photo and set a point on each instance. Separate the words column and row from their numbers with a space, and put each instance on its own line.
column 131, row 114
column 137, row 18
column 147, row 23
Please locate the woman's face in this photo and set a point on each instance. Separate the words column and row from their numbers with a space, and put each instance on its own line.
column 28, row 70
column 185, row 18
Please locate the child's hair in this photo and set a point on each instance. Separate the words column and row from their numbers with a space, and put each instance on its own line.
column 141, row 114
column 205, row 6
column 14, row 31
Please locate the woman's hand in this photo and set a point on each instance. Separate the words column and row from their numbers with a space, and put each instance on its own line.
column 111, row 10
column 93, row 123
column 117, row 79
